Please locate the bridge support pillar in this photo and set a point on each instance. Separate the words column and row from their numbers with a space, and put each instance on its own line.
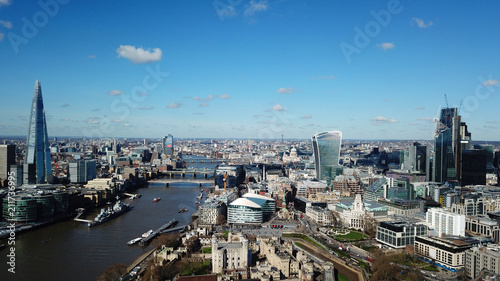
column 166, row 185
column 199, row 185
column 183, row 175
column 194, row 175
column 206, row 176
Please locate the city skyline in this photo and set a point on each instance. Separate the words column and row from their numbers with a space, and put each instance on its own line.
column 257, row 69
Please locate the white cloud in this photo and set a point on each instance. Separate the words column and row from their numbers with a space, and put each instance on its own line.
column 255, row 6
column 210, row 97
column 288, row 90
column 492, row 82
column 226, row 12
column 5, row 3
column 127, row 125
column 429, row 119
column 225, row 96
column 322, row 77
column 386, row 46
column 115, row 92
column 307, row 116
column 139, row 55
column 174, row 105
column 382, row 120
column 278, row 107
column 6, row 24
column 421, row 23
column 92, row 120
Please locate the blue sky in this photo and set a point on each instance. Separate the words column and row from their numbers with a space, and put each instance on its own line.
column 250, row 69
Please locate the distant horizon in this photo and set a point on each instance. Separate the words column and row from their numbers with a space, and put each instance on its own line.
column 194, row 138
column 255, row 69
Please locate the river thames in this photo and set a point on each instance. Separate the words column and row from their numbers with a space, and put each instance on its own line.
column 71, row 251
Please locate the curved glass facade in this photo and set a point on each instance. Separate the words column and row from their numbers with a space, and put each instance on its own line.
column 25, row 209
column 326, row 148
column 244, row 214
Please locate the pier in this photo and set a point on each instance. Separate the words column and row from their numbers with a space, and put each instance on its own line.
column 145, row 241
column 77, row 218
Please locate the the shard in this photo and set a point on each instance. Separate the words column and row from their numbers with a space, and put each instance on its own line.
column 38, row 168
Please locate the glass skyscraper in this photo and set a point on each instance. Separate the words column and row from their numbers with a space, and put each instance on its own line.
column 38, row 150
column 326, row 148
column 450, row 139
column 168, row 146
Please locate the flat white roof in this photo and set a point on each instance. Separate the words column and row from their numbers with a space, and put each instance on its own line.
column 245, row 202
column 253, row 195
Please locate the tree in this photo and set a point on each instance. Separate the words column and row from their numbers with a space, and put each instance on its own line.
column 169, row 240
column 193, row 245
column 336, row 220
column 370, row 225
column 113, row 272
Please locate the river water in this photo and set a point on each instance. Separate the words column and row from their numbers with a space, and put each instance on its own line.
column 71, row 251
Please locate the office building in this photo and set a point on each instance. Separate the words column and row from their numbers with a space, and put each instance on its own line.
column 168, row 146
column 417, row 159
column 482, row 258
column 449, row 138
column 446, row 252
column 484, row 226
column 229, row 176
column 474, row 167
column 38, row 158
column 7, row 158
column 399, row 234
column 82, row 171
column 320, row 215
column 250, row 209
column 445, row 222
column 326, row 149
column 490, row 153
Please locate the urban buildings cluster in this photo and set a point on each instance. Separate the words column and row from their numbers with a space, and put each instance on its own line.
column 439, row 198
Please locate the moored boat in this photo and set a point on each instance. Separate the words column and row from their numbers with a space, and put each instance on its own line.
column 133, row 241
column 146, row 234
column 156, row 199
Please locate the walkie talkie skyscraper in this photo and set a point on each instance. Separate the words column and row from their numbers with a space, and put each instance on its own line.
column 38, row 168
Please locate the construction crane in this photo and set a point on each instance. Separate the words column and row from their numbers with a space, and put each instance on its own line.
column 446, row 100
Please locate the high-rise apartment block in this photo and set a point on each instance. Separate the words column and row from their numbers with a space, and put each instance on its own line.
column 326, row 148
column 38, row 168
